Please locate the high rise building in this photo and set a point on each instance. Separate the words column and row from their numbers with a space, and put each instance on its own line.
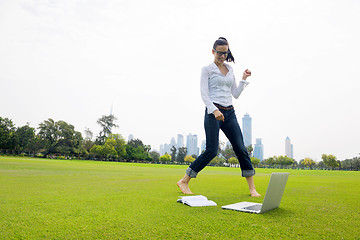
column 167, row 148
column 172, row 143
column 246, row 130
column 203, row 146
column 259, row 149
column 191, row 145
column 227, row 144
column 162, row 151
column 289, row 152
column 131, row 137
column 180, row 141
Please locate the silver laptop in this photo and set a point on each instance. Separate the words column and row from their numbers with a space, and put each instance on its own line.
column 272, row 198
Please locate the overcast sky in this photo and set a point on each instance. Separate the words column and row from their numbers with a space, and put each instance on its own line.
column 73, row 60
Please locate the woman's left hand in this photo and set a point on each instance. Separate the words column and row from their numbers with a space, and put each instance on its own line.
column 247, row 73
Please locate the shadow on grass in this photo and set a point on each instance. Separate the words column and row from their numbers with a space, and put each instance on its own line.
column 272, row 214
column 278, row 212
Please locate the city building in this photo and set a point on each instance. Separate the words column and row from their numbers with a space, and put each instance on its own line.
column 172, row 143
column 131, row 137
column 289, row 151
column 180, row 141
column 162, row 150
column 166, row 148
column 227, row 144
column 203, row 146
column 259, row 149
column 246, row 130
column 192, row 145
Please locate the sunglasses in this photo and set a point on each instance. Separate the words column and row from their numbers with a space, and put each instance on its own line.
column 221, row 53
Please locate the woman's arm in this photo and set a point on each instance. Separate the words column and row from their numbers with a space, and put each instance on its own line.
column 204, row 89
column 237, row 90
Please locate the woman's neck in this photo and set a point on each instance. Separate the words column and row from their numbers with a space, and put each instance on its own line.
column 220, row 65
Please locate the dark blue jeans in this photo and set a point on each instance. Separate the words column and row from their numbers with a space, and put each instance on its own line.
column 232, row 131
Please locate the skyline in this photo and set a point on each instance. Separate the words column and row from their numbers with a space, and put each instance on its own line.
column 258, row 147
column 75, row 61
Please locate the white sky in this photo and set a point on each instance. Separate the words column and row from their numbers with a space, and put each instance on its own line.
column 71, row 60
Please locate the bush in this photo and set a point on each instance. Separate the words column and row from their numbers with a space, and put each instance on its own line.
column 217, row 161
column 165, row 158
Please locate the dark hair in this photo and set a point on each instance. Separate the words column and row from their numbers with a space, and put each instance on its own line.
column 221, row 42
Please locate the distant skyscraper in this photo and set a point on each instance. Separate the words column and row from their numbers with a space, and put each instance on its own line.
column 259, row 149
column 246, row 129
column 172, row 143
column 227, row 144
column 180, row 141
column 167, row 148
column 203, row 146
column 191, row 145
column 131, row 137
column 162, row 151
column 288, row 148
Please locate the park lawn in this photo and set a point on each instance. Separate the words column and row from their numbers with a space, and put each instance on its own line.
column 65, row 199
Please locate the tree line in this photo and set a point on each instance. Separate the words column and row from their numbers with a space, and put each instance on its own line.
column 329, row 162
column 58, row 139
column 226, row 157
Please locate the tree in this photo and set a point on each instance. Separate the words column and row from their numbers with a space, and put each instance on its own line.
column 320, row 165
column 249, row 149
column 351, row 164
column 308, row 162
column 189, row 159
column 96, row 150
column 220, row 147
column 173, row 153
column 136, row 150
column 119, row 144
column 35, row 146
column 25, row 138
column 106, row 123
column 284, row 161
column 165, row 158
column 228, row 152
column 330, row 161
column 181, row 154
column 138, row 143
column 255, row 161
column 7, row 132
column 217, row 161
column 108, row 149
column 59, row 137
column 88, row 142
column 155, row 156
column 233, row 160
column 270, row 161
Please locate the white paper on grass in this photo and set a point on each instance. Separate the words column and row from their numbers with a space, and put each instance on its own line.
column 196, row 201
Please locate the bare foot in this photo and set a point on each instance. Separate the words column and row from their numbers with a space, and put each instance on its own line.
column 254, row 193
column 184, row 187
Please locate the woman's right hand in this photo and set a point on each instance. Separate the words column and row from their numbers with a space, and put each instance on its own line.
column 218, row 115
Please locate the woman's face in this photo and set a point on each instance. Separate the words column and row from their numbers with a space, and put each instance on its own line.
column 219, row 56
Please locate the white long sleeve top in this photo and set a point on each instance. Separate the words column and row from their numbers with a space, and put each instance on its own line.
column 215, row 87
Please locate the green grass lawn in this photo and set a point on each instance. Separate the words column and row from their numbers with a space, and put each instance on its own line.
column 63, row 199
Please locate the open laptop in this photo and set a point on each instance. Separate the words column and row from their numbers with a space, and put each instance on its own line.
column 272, row 198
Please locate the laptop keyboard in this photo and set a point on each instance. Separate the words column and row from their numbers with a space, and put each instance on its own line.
column 254, row 207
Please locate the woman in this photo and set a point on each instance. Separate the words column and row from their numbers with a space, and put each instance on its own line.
column 217, row 86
